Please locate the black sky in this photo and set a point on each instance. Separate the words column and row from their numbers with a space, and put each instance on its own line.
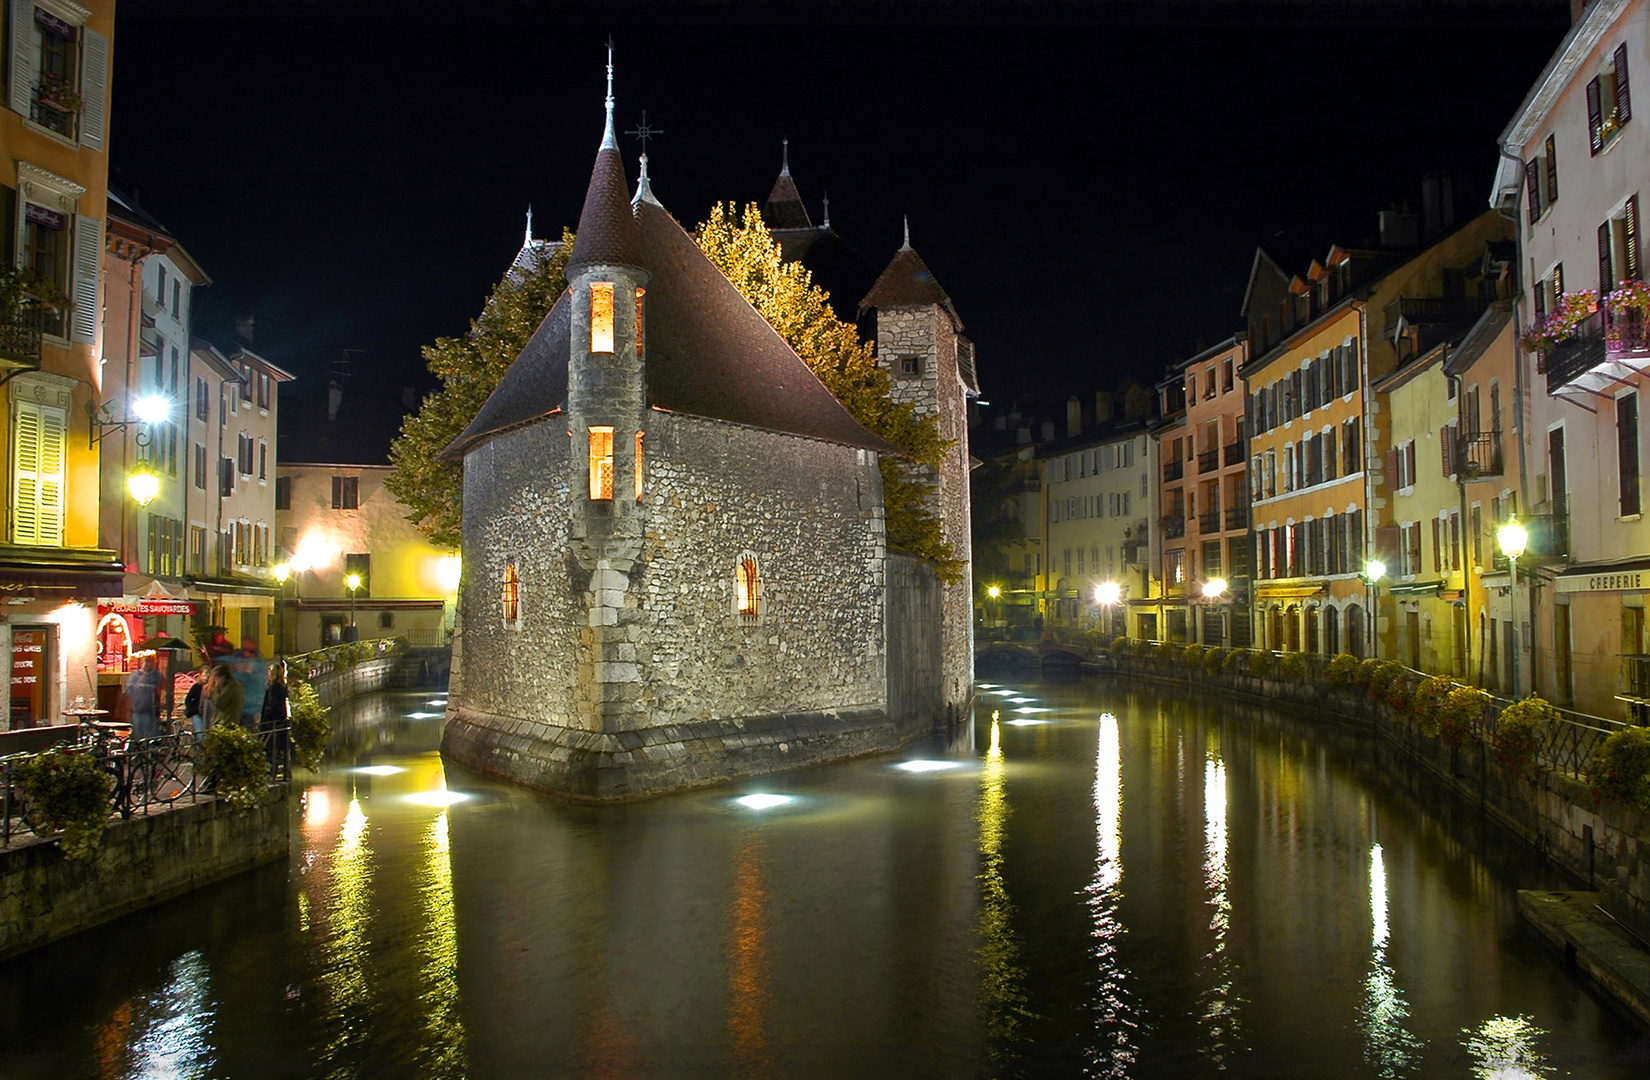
column 1088, row 182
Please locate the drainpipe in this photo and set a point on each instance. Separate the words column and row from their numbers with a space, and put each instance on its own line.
column 1461, row 498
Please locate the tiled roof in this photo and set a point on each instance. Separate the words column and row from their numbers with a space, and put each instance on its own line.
column 533, row 255
column 907, row 282
column 708, row 353
column 784, row 209
column 1480, row 338
column 607, row 228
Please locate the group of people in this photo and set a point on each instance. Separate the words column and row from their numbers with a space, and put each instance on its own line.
column 233, row 687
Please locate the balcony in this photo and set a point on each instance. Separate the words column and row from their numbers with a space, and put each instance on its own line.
column 1234, row 453
column 1480, row 454
column 1174, row 528
column 1635, row 677
column 1237, row 517
column 1626, row 333
column 20, row 334
column 1208, row 461
column 1209, row 523
column 1173, row 470
column 1579, row 365
column 1134, row 551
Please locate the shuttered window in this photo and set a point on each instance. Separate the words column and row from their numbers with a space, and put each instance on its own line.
column 40, row 434
column 1624, row 105
column 1551, row 161
column 1595, row 118
column 1532, row 188
column 1627, row 451
column 1630, row 222
column 1606, row 280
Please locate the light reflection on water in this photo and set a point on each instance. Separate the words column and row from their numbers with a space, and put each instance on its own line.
column 1140, row 888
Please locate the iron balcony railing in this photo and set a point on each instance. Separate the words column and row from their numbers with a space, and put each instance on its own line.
column 1209, row 523
column 1480, row 454
column 1173, row 470
column 20, row 334
column 1208, row 461
column 1626, row 331
column 1635, row 677
column 1174, row 528
column 1574, row 356
column 1237, row 517
column 1234, row 453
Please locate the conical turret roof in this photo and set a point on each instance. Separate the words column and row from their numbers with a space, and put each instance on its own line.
column 607, row 227
column 907, row 282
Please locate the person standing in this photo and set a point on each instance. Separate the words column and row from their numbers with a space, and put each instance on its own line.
column 226, row 696
column 275, row 717
column 143, row 699
column 194, row 702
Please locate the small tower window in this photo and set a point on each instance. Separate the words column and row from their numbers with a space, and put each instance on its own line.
column 747, row 588
column 638, row 466
column 910, row 366
column 512, row 595
column 601, row 316
column 639, row 323
column 601, row 463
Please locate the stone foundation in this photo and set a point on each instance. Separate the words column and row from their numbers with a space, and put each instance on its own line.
column 610, row 767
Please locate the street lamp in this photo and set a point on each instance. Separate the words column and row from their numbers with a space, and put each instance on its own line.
column 1107, row 594
column 1374, row 571
column 353, row 582
column 143, row 484
column 282, row 572
column 1512, row 539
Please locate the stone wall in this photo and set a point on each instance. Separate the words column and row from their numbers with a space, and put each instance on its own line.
column 1604, row 843
column 916, row 647
column 343, row 683
column 44, row 896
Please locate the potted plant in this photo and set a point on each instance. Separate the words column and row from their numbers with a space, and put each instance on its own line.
column 1520, row 732
column 1620, row 769
column 1429, row 699
column 56, row 92
column 1342, row 670
column 1562, row 322
column 310, row 728
column 233, row 759
column 67, row 790
column 1459, row 713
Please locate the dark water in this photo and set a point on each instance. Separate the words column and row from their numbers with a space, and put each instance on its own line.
column 1103, row 883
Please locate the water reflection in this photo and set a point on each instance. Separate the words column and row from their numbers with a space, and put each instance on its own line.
column 748, row 961
column 1218, row 1003
column 1112, row 1051
column 1002, row 997
column 443, row 1028
column 173, row 1042
column 1504, row 1048
column 1389, row 1046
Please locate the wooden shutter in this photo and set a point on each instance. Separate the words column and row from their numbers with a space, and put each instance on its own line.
column 1627, row 451
column 1540, row 298
column 39, row 432
column 25, row 61
column 1437, row 546
column 1444, row 443
column 1532, row 188
column 1624, row 106
column 1558, row 284
column 1633, row 270
column 94, row 90
column 1595, row 119
column 88, row 261
column 1604, row 280
column 1552, row 170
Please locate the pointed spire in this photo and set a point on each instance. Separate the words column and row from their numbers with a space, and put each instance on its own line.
column 784, row 208
column 827, row 223
column 644, row 189
column 609, row 140
column 785, row 156
column 907, row 245
column 528, row 240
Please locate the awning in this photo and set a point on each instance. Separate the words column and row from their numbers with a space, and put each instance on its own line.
column 1415, row 588
column 1624, row 575
column 248, row 586
column 59, row 574
column 1295, row 590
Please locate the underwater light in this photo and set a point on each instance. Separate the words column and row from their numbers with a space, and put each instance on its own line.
column 422, row 715
column 380, row 770
column 762, row 801
column 437, row 798
column 1024, row 721
column 439, row 704
column 922, row 766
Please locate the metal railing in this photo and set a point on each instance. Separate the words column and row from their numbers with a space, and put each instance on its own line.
column 1234, row 453
column 1173, row 470
column 1237, row 517
column 1174, row 528
column 1626, row 331
column 20, row 334
column 1208, row 461
column 1575, row 356
column 312, row 665
column 1209, row 523
column 426, row 638
column 1480, row 454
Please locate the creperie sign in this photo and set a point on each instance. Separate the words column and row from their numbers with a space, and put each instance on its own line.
column 148, row 606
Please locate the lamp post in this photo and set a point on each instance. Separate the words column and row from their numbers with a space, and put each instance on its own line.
column 994, row 592
column 1374, row 571
column 282, row 571
column 353, row 582
column 1107, row 594
column 1512, row 539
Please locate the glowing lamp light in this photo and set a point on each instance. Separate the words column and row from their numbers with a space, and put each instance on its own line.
column 352, row 582
column 380, row 770
column 994, row 592
column 926, row 766
column 1374, row 569
column 422, row 715
column 1214, row 588
column 1024, row 721
column 152, row 408
column 1512, row 538
column 442, row 797
column 1108, row 593
column 763, row 801
column 314, row 553
column 448, row 570
column 143, row 484
column 282, row 571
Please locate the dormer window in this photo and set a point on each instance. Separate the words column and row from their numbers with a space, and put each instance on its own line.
column 601, row 317
column 601, row 463
column 1608, row 105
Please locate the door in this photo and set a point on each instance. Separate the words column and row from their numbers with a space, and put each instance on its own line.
column 31, row 665
column 1412, row 635
column 249, row 626
column 1561, row 652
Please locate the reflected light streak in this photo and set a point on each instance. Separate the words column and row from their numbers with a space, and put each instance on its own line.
column 1002, row 996
column 748, row 990
column 1112, row 1052
column 1025, row 721
column 174, row 1043
column 341, row 909
column 763, row 801
column 1504, row 1048
column 1389, row 1046
column 444, row 1045
column 317, row 808
column 423, row 715
column 1219, row 999
column 438, row 797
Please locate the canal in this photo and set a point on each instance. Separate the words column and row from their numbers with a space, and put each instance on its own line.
column 1100, row 882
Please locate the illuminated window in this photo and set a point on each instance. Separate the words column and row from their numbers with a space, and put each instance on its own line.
column 747, row 587
column 512, row 595
column 639, row 294
column 601, row 463
column 638, row 466
column 601, row 316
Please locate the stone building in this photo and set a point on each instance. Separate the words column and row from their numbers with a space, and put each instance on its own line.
column 675, row 566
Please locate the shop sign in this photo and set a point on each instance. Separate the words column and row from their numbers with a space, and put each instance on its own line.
column 149, row 605
column 1620, row 581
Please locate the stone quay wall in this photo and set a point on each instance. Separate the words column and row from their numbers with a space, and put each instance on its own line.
column 1602, row 842
column 142, row 861
column 342, row 684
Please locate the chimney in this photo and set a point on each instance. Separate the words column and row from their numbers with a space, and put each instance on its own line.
column 1399, row 229
column 1446, row 199
column 1102, row 406
column 335, row 399
column 1432, row 211
column 1074, row 417
column 1048, row 431
column 243, row 329
column 1022, row 435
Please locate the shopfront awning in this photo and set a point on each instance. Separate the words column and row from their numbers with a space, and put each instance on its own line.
column 1290, row 590
column 1622, row 575
column 60, row 574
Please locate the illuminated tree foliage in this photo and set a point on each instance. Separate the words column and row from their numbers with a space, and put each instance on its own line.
column 739, row 244
column 469, row 367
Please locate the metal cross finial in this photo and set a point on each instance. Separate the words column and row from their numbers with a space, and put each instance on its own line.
column 609, row 142
column 785, row 156
column 529, row 223
column 827, row 224
column 643, row 132
column 907, row 245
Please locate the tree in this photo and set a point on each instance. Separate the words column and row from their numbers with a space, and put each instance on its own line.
column 469, row 368
column 739, row 244
column 994, row 493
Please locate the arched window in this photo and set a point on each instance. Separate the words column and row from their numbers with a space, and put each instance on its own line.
column 512, row 595
column 747, row 588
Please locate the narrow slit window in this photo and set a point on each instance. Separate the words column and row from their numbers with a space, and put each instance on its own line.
column 601, row 316
column 512, row 594
column 748, row 587
column 601, row 463
column 639, row 321
column 638, row 466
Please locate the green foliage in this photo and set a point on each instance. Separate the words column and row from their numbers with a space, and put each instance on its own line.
column 469, row 368
column 995, row 490
column 1120, row 646
column 1236, row 663
column 1381, row 677
column 18, row 284
column 1260, row 663
column 1366, row 671
column 232, row 757
column 1460, row 714
column 310, row 727
column 1521, row 731
column 739, row 244
column 1343, row 669
column 1192, row 656
column 1429, row 700
column 1400, row 690
column 1295, row 667
column 68, row 790
column 1214, row 660
column 1620, row 769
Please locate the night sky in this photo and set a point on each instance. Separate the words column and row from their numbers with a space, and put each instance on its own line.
column 1088, row 182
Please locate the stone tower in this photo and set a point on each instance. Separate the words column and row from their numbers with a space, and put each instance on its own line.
column 931, row 365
